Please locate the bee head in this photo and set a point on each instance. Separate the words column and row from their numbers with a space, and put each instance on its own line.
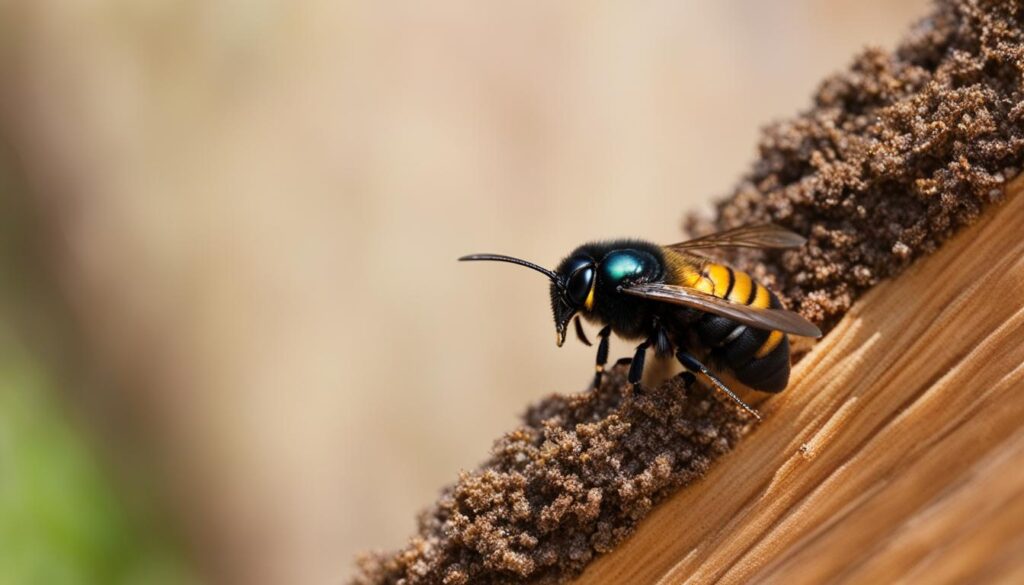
column 572, row 286
column 572, row 292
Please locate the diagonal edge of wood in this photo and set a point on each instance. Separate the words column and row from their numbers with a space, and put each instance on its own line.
column 897, row 453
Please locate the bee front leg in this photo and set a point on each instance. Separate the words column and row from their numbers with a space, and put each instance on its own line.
column 602, row 354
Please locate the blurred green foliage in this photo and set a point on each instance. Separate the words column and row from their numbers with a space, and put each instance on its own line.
column 65, row 518
column 61, row 519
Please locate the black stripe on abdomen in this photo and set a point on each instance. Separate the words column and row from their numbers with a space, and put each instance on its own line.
column 769, row 373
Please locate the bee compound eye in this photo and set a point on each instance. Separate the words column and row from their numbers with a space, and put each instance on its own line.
column 579, row 285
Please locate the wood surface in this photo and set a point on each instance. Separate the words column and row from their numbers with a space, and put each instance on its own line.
column 896, row 454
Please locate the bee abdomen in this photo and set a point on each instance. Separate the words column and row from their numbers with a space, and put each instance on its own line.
column 758, row 358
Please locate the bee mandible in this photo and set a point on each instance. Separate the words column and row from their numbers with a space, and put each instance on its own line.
column 674, row 300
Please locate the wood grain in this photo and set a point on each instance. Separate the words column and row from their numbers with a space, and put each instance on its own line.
column 896, row 454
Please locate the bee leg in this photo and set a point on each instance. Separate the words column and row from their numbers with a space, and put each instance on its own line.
column 690, row 363
column 636, row 367
column 602, row 355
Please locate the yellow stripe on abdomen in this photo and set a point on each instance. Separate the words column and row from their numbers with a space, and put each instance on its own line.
column 698, row 280
column 741, row 288
column 720, row 278
column 769, row 345
column 762, row 298
column 686, row 275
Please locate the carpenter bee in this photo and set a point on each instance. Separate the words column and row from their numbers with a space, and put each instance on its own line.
column 673, row 299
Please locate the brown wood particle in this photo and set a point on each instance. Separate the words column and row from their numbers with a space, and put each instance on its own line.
column 895, row 155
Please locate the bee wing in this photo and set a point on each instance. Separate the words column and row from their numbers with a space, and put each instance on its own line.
column 765, row 235
column 768, row 319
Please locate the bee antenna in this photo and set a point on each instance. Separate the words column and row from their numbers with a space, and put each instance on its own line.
column 500, row 258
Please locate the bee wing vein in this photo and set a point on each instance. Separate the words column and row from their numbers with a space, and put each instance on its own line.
column 765, row 235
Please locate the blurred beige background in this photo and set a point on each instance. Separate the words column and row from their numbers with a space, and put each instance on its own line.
column 253, row 210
